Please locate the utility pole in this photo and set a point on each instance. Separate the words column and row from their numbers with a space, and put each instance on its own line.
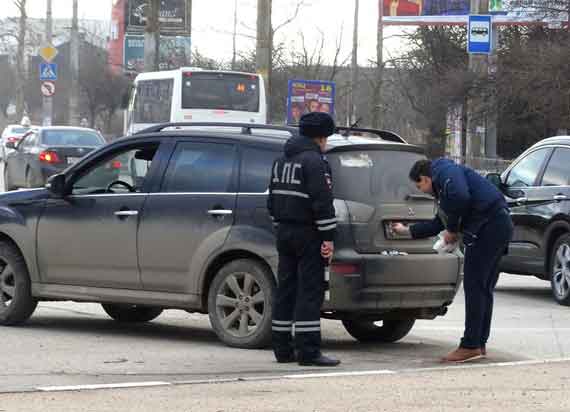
column 377, row 95
column 189, row 29
column 476, row 105
column 234, row 35
column 74, row 68
column 354, row 69
column 263, row 48
column 152, row 36
column 48, row 101
column 21, row 61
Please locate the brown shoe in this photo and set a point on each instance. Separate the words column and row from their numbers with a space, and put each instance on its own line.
column 461, row 355
column 484, row 351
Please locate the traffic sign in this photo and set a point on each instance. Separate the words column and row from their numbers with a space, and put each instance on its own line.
column 48, row 89
column 48, row 71
column 48, row 53
column 479, row 35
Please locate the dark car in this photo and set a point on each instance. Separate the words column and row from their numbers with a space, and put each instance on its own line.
column 183, row 224
column 45, row 151
column 537, row 187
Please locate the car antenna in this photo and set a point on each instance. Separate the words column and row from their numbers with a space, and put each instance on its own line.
column 346, row 132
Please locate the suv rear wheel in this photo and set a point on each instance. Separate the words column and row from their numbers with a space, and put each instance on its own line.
column 131, row 313
column 239, row 304
column 16, row 301
column 365, row 330
column 560, row 270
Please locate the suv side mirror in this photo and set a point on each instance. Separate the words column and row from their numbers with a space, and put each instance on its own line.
column 495, row 178
column 10, row 145
column 56, row 185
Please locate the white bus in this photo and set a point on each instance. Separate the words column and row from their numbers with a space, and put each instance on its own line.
column 191, row 94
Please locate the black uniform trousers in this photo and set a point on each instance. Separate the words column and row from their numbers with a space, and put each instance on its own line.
column 300, row 292
column 481, row 273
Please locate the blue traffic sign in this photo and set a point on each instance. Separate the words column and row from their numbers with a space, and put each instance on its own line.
column 479, row 34
column 48, row 71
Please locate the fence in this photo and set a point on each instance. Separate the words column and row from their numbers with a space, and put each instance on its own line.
column 483, row 165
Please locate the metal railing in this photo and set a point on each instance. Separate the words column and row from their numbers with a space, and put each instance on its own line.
column 483, row 165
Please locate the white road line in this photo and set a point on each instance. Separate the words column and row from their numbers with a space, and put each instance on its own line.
column 338, row 374
column 301, row 375
column 101, row 386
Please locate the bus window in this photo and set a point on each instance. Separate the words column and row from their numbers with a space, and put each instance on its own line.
column 153, row 101
column 220, row 91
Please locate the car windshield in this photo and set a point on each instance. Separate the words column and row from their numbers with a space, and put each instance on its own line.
column 373, row 176
column 71, row 138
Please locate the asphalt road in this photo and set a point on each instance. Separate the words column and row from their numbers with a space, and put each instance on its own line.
column 68, row 343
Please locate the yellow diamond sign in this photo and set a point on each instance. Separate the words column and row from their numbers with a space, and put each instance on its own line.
column 48, row 53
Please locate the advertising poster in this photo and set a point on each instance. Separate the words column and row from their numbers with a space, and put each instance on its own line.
column 309, row 96
column 174, row 52
column 433, row 7
column 172, row 15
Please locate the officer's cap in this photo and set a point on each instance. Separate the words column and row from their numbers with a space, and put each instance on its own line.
column 316, row 124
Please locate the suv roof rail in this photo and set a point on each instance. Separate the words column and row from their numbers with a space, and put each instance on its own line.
column 246, row 128
column 383, row 134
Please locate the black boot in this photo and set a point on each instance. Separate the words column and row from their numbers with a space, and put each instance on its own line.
column 320, row 360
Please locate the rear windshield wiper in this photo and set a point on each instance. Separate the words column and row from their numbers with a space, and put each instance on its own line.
column 420, row 197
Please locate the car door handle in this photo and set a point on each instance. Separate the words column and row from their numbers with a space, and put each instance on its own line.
column 559, row 198
column 220, row 212
column 126, row 213
column 521, row 200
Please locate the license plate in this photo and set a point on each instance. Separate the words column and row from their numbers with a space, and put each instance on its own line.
column 73, row 160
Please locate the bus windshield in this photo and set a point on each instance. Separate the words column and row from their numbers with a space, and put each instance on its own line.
column 220, row 91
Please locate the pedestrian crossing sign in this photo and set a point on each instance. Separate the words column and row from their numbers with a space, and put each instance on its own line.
column 48, row 71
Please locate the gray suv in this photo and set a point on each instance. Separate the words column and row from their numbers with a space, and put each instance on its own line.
column 175, row 217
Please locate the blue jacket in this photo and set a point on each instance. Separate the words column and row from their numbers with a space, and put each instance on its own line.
column 466, row 200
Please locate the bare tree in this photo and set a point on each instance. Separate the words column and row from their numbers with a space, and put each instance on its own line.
column 102, row 89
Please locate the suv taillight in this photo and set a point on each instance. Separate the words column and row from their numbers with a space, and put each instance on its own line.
column 13, row 139
column 49, row 157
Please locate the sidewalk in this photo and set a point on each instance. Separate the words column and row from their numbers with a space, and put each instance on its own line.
column 539, row 387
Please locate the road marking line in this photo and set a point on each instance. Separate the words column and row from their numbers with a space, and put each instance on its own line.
column 338, row 374
column 302, row 375
column 101, row 386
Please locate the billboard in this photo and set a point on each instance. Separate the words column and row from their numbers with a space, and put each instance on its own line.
column 174, row 52
column 172, row 16
column 434, row 7
column 309, row 96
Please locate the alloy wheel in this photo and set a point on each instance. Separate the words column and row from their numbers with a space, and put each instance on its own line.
column 240, row 304
column 7, row 285
column 561, row 271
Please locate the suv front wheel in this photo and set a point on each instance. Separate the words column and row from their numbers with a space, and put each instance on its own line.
column 239, row 304
column 16, row 301
column 560, row 270
column 367, row 331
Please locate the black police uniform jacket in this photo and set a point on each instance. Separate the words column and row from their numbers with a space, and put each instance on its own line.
column 300, row 189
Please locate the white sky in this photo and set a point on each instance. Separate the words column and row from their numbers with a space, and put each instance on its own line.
column 213, row 20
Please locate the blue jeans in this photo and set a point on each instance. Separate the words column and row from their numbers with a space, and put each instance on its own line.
column 481, row 273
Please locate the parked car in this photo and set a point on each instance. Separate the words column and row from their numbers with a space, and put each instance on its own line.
column 45, row 151
column 185, row 226
column 537, row 187
column 12, row 134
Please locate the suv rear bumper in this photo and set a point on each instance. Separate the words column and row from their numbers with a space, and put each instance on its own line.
column 384, row 284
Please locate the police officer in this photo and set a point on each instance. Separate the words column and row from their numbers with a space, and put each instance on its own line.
column 473, row 206
column 301, row 204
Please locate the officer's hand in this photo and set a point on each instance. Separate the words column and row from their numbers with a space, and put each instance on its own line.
column 327, row 250
column 400, row 228
column 449, row 237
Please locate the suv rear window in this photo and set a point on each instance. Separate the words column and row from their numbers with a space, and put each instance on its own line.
column 373, row 176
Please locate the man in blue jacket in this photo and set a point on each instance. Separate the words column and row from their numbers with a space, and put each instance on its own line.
column 471, row 206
